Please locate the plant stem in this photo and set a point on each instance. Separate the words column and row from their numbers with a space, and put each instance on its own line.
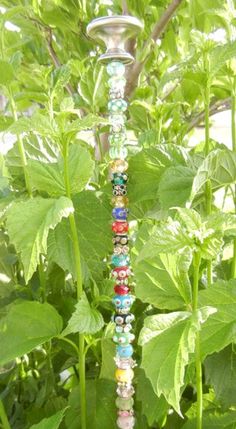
column 42, row 280
column 233, row 131
column 20, row 144
column 198, row 365
column 75, row 240
column 208, row 188
column 3, row 416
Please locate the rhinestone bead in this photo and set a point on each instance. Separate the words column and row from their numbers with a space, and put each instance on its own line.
column 119, row 190
column 124, row 363
column 116, row 68
column 118, row 166
column 125, row 391
column 120, row 239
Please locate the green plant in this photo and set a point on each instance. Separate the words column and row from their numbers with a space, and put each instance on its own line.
column 56, row 350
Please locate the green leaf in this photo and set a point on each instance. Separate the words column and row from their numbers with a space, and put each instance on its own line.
column 148, row 166
column 85, row 319
column 220, row 372
column 219, row 329
column 36, row 217
column 50, row 177
column 6, row 73
column 169, row 339
column 169, row 238
column 154, row 408
column 52, row 422
column 27, row 324
column 165, row 277
column 218, row 421
column 219, row 167
column 92, row 219
column 220, row 54
column 87, row 122
column 101, row 409
column 108, row 346
column 175, row 186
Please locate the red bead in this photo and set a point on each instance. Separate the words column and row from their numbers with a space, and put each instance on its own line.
column 120, row 227
column 121, row 289
column 121, row 273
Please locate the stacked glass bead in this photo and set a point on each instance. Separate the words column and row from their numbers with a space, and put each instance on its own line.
column 120, row 259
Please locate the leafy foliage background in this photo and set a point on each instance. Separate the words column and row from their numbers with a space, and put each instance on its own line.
column 54, row 97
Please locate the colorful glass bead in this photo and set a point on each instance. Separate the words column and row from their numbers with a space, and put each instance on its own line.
column 123, row 301
column 119, row 178
column 119, row 190
column 124, row 403
column 121, row 273
column 121, row 289
column 125, row 422
column 117, row 105
column 118, row 152
column 117, row 119
column 121, row 250
column 117, row 139
column 120, row 227
column 118, row 166
column 122, row 319
column 121, row 240
column 123, row 338
column 117, row 83
column 125, row 391
column 124, row 352
column 120, row 260
column 120, row 213
column 116, row 68
column 125, row 413
column 123, row 328
column 124, row 375
column 124, row 363
column 120, row 201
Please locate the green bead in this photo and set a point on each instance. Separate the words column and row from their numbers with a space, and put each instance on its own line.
column 124, row 404
column 117, row 82
column 118, row 152
column 117, row 139
column 115, row 68
column 117, row 105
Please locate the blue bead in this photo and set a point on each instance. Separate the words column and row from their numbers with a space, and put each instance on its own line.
column 120, row 213
column 120, row 260
column 123, row 301
column 124, row 352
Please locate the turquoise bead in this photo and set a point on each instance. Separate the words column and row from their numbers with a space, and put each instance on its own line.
column 120, row 260
column 116, row 68
column 117, row 138
column 118, row 152
column 117, row 105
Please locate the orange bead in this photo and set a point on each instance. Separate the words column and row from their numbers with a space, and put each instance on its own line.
column 120, row 201
column 118, row 166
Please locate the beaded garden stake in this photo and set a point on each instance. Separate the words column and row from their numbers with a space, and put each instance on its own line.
column 114, row 31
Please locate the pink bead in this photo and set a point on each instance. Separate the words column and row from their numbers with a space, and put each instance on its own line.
column 125, row 422
column 122, row 413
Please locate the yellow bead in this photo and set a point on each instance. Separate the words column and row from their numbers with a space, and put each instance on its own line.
column 124, row 375
column 120, row 201
column 118, row 166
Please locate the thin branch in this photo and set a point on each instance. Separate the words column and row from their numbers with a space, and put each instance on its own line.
column 216, row 107
column 55, row 59
column 125, row 10
column 155, row 34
